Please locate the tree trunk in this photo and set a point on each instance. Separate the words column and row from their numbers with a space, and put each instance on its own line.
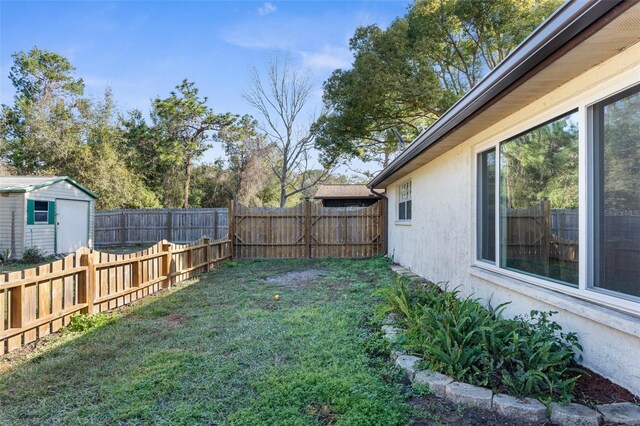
column 187, row 182
column 283, row 183
column 283, row 194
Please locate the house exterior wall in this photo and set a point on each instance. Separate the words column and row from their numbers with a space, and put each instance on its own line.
column 43, row 236
column 12, row 215
column 439, row 241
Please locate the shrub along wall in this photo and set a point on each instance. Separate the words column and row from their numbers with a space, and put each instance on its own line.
column 526, row 356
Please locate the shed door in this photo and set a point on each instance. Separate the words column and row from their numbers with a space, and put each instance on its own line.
column 72, row 219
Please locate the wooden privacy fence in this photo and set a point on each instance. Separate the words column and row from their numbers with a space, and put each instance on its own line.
column 147, row 226
column 38, row 301
column 541, row 233
column 307, row 230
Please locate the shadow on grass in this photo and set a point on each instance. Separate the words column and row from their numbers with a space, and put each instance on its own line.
column 220, row 350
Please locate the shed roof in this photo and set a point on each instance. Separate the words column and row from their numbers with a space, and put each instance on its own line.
column 593, row 31
column 344, row 191
column 31, row 183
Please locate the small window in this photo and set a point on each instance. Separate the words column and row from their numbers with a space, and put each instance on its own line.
column 41, row 212
column 404, row 201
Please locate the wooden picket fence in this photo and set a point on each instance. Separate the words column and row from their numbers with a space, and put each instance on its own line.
column 38, row 301
column 307, row 230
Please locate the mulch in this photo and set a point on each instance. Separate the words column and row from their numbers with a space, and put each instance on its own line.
column 592, row 389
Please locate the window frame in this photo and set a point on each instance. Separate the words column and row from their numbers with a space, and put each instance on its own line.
column 595, row 143
column 524, row 121
column 404, row 186
column 480, row 197
column 36, row 211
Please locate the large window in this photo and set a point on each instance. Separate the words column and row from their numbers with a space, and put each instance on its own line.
column 404, row 201
column 529, row 217
column 616, row 136
column 538, row 190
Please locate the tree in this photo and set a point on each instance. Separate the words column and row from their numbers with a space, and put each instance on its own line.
column 52, row 130
column 408, row 75
column 186, row 125
column 213, row 185
column 280, row 100
column 247, row 149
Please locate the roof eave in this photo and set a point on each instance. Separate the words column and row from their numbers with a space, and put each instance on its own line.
column 49, row 183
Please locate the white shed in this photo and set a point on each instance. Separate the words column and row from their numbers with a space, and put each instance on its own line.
column 51, row 213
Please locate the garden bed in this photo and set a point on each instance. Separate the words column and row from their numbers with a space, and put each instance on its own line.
column 493, row 363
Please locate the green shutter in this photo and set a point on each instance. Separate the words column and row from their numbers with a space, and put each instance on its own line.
column 30, row 212
column 52, row 212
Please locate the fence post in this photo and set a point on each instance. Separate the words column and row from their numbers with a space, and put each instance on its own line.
column 136, row 276
column 207, row 253
column 231, row 231
column 123, row 229
column 383, row 225
column 307, row 226
column 215, row 225
column 546, row 240
column 17, row 302
column 169, row 225
column 87, row 285
column 166, row 265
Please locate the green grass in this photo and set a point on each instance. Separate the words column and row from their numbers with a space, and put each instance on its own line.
column 18, row 266
column 221, row 351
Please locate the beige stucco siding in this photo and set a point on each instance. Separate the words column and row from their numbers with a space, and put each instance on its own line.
column 42, row 236
column 439, row 243
column 12, row 216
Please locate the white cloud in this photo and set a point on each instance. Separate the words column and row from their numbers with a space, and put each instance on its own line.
column 327, row 59
column 267, row 8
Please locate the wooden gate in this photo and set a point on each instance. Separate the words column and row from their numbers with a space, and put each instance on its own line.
column 307, row 230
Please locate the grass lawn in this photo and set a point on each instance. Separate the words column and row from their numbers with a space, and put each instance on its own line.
column 220, row 350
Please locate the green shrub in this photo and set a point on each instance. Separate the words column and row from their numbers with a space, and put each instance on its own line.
column 525, row 356
column 33, row 255
column 82, row 322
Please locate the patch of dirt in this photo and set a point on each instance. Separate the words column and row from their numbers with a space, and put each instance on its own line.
column 175, row 319
column 323, row 413
column 592, row 389
column 295, row 279
column 431, row 410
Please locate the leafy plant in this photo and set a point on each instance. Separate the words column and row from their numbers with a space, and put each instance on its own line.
column 525, row 356
column 82, row 322
column 33, row 255
column 4, row 256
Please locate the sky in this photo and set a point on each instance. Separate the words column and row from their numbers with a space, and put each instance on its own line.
column 143, row 49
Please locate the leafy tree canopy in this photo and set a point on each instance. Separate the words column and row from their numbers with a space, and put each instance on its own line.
column 406, row 76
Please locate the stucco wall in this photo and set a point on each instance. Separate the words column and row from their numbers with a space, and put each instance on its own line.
column 439, row 242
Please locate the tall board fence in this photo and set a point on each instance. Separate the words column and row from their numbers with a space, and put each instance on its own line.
column 147, row 226
column 307, row 230
column 541, row 233
column 38, row 301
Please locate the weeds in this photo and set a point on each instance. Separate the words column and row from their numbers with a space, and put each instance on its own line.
column 82, row 322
